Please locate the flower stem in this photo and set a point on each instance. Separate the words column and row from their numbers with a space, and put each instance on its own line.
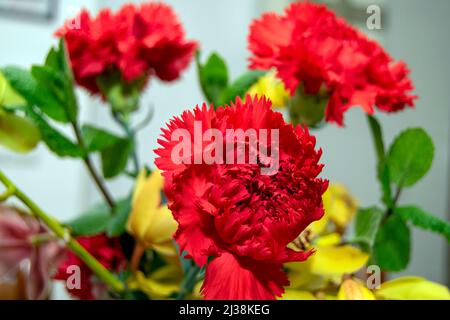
column 132, row 137
column 90, row 166
column 61, row 232
column 188, row 282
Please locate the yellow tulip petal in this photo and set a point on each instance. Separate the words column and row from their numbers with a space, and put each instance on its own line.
column 339, row 204
column 163, row 226
column 352, row 289
column 412, row 288
column 318, row 227
column 337, row 260
column 145, row 205
column 331, row 239
column 297, row 295
column 301, row 277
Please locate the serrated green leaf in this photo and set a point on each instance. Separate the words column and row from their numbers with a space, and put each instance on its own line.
column 424, row 220
column 92, row 222
column 55, row 140
column 213, row 77
column 410, row 157
column 118, row 222
column 240, row 86
column 367, row 222
column 392, row 245
column 97, row 139
column 115, row 158
column 34, row 93
column 18, row 134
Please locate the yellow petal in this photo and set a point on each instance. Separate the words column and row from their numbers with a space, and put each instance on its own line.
column 318, row 227
column 297, row 295
column 145, row 204
column 160, row 284
column 162, row 228
column 273, row 88
column 352, row 289
column 337, row 260
column 301, row 277
column 412, row 288
column 331, row 239
column 339, row 204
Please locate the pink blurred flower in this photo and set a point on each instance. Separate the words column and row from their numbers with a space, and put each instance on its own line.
column 23, row 239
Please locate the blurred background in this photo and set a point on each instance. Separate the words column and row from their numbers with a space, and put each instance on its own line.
column 412, row 30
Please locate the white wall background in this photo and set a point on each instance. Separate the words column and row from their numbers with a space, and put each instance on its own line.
column 417, row 32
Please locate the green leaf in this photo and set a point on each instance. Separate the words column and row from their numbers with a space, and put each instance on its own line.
column 392, row 244
column 92, row 222
column 55, row 140
column 240, row 86
column 424, row 220
column 35, row 93
column 115, row 158
column 367, row 222
column 97, row 139
column 213, row 77
column 8, row 96
column 18, row 134
column 118, row 222
column 410, row 157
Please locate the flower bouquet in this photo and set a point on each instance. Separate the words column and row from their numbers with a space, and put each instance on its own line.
column 234, row 206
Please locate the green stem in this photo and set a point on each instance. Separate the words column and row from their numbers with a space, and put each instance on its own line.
column 382, row 168
column 64, row 234
column 188, row 282
column 131, row 136
column 90, row 166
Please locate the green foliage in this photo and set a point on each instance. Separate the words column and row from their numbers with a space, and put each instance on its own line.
column 424, row 220
column 35, row 93
column 213, row 76
column 214, row 80
column 382, row 167
column 91, row 222
column 55, row 140
column 114, row 150
column 240, row 86
column 99, row 219
column 410, row 157
column 122, row 96
column 392, row 245
column 115, row 158
column 367, row 222
column 118, row 222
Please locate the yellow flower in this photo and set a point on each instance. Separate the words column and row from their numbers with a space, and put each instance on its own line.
column 273, row 88
column 353, row 289
column 297, row 295
column 151, row 223
column 340, row 207
column 412, row 288
column 160, row 284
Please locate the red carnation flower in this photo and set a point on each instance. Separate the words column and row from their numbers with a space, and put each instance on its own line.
column 310, row 46
column 232, row 214
column 106, row 250
column 138, row 41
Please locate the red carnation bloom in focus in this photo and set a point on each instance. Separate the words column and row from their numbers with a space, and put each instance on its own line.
column 310, row 46
column 106, row 250
column 233, row 215
column 138, row 41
